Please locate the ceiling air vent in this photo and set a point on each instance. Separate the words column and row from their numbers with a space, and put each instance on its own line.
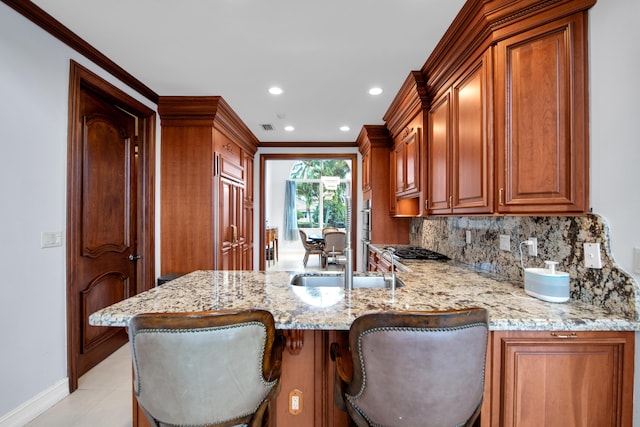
column 267, row 126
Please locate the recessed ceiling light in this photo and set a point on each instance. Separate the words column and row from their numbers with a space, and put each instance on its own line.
column 275, row 90
column 344, row 128
column 289, row 128
column 375, row 91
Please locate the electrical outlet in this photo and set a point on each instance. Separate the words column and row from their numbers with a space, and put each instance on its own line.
column 592, row 255
column 505, row 242
column 468, row 236
column 295, row 401
column 533, row 248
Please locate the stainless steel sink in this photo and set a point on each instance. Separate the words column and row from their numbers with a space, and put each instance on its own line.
column 362, row 280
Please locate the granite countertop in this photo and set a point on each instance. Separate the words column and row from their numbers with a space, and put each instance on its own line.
column 430, row 285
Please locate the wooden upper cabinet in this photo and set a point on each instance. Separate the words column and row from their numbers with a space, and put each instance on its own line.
column 230, row 157
column 405, row 120
column 507, row 127
column 460, row 154
column 375, row 143
column 542, row 119
column 439, row 198
column 472, row 154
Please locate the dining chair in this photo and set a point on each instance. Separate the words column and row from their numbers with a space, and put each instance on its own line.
column 311, row 248
column 212, row 368
column 328, row 229
column 413, row 368
column 334, row 245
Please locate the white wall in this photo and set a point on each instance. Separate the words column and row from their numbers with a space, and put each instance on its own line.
column 615, row 112
column 615, row 144
column 34, row 86
column 34, row 76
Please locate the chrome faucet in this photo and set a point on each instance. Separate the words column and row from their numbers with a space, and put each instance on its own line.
column 393, row 268
column 348, row 252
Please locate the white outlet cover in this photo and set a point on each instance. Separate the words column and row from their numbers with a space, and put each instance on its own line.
column 505, row 242
column 468, row 236
column 592, row 257
column 533, row 249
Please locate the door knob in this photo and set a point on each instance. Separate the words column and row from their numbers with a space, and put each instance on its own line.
column 135, row 257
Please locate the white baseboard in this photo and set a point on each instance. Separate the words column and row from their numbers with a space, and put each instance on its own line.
column 36, row 405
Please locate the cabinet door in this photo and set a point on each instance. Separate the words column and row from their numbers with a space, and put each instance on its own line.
column 398, row 161
column 412, row 161
column 439, row 143
column 563, row 379
column 471, row 155
column 541, row 119
column 231, row 225
column 366, row 171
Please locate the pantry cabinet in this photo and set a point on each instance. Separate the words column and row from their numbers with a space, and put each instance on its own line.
column 206, row 192
column 558, row 379
column 541, row 117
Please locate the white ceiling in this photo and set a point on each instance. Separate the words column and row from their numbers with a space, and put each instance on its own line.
column 325, row 55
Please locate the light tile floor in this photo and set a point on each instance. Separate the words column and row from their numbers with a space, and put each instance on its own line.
column 103, row 397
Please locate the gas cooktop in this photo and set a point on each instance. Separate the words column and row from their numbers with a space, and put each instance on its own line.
column 416, row 252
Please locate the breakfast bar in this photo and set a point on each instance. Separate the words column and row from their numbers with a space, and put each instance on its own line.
column 596, row 344
column 434, row 286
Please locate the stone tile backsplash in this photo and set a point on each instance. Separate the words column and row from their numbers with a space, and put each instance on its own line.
column 559, row 239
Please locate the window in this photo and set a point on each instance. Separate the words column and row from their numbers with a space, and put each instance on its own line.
column 316, row 205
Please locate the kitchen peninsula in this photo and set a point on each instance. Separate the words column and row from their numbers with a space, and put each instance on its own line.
column 431, row 286
column 580, row 346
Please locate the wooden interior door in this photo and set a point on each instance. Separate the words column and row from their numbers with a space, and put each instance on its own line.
column 107, row 226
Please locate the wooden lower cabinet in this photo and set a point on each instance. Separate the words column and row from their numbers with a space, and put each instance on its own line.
column 559, row 379
column 532, row 379
column 308, row 372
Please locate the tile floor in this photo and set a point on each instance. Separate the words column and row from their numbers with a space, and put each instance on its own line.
column 103, row 397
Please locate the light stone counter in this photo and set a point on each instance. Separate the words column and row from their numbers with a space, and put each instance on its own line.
column 431, row 285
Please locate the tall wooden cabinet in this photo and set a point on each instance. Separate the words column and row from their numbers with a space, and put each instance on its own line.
column 206, row 191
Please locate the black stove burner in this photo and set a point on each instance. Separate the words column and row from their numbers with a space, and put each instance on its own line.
column 415, row 252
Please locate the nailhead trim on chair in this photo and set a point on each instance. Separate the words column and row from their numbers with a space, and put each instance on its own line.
column 188, row 331
column 403, row 329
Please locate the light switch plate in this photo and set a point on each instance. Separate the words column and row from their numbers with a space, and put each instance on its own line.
column 50, row 239
column 592, row 257
column 505, row 242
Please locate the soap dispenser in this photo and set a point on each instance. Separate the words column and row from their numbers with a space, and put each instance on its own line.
column 547, row 284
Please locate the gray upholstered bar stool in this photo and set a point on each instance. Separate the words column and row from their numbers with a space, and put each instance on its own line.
column 413, row 368
column 216, row 368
